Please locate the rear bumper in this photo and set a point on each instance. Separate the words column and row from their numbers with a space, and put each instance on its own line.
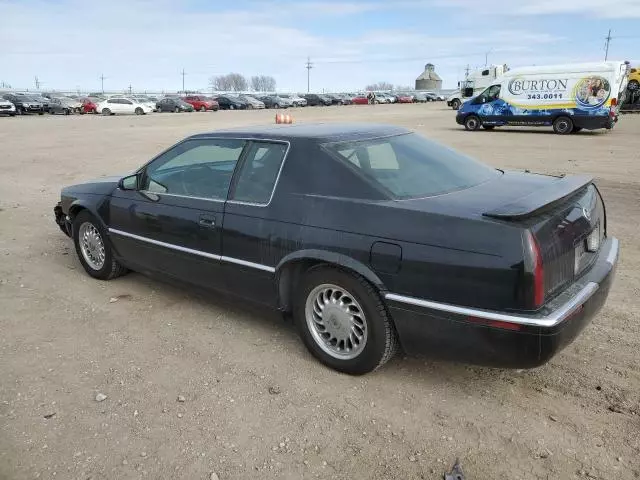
column 522, row 341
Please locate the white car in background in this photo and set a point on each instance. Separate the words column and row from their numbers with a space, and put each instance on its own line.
column 7, row 108
column 143, row 99
column 123, row 106
column 296, row 100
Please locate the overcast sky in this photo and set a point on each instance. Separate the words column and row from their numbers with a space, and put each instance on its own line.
column 68, row 44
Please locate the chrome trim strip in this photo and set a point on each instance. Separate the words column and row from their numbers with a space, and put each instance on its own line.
column 245, row 263
column 549, row 320
column 164, row 244
column 613, row 252
column 161, row 194
column 200, row 253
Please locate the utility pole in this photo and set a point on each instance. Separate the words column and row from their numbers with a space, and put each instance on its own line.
column 308, row 66
column 183, row 74
column 102, row 77
column 130, row 89
column 486, row 57
column 606, row 46
column 37, row 82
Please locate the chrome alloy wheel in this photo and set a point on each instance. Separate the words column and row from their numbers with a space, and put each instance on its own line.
column 336, row 321
column 91, row 245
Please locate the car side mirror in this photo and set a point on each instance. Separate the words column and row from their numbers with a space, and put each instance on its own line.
column 129, row 182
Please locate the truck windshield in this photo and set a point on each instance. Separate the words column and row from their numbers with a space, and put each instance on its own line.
column 410, row 166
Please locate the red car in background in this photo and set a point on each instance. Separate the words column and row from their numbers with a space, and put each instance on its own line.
column 89, row 105
column 360, row 100
column 201, row 103
column 404, row 98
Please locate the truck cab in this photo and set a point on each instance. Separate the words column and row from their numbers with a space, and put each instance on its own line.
column 474, row 83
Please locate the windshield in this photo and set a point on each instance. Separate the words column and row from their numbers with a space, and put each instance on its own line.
column 410, row 166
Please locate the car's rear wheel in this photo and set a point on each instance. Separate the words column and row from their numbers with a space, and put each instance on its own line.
column 562, row 125
column 343, row 321
column 106, row 111
column 93, row 248
column 203, row 108
column 472, row 123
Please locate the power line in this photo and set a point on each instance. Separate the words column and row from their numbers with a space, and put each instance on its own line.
column 606, row 47
column 308, row 66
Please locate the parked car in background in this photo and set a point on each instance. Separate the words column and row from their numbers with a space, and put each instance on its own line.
column 383, row 97
column 201, row 103
column 24, row 103
column 313, row 100
column 57, row 106
column 38, row 97
column 174, row 104
column 228, row 102
column 274, row 101
column 252, row 102
column 419, row 97
column 7, row 108
column 89, row 104
column 404, row 98
column 122, row 106
column 360, row 100
column 296, row 100
column 75, row 104
column 433, row 97
column 634, row 79
column 145, row 100
column 335, row 225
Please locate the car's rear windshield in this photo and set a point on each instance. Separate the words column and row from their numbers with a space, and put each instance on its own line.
column 410, row 166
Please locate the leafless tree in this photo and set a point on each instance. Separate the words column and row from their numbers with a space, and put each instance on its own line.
column 263, row 83
column 380, row 86
column 230, row 82
column 403, row 88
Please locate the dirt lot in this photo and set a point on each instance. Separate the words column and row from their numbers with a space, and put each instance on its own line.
column 256, row 405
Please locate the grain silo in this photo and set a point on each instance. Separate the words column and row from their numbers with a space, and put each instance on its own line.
column 429, row 79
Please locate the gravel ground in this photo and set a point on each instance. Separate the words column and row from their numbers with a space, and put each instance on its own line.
column 190, row 383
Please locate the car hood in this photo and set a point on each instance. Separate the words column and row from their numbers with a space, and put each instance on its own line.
column 99, row 186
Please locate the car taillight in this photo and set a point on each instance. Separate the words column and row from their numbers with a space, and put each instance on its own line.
column 537, row 270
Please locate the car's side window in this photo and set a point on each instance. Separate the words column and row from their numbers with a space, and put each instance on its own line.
column 126, row 102
column 195, row 168
column 257, row 179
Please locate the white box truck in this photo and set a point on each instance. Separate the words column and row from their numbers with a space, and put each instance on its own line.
column 474, row 83
column 567, row 97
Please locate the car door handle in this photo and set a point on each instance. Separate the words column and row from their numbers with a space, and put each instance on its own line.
column 207, row 222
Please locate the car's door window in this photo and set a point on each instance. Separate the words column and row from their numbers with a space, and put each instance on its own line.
column 259, row 173
column 195, row 168
column 490, row 94
column 126, row 102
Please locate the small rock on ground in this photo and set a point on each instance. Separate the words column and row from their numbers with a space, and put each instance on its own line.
column 101, row 397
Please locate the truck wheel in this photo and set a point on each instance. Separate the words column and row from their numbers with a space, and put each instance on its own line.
column 472, row 123
column 562, row 125
column 343, row 321
column 455, row 104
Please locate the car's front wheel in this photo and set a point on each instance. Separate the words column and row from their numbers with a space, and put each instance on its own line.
column 472, row 123
column 93, row 248
column 139, row 111
column 343, row 322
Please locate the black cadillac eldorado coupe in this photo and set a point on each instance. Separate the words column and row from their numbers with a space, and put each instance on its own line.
column 371, row 236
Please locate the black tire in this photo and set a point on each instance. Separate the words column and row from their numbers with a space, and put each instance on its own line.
column 111, row 267
column 472, row 123
column 576, row 129
column 382, row 341
column 563, row 125
column 488, row 127
column 106, row 111
column 67, row 112
column 633, row 85
column 139, row 111
column 40, row 113
column 203, row 108
column 456, row 104
column 12, row 114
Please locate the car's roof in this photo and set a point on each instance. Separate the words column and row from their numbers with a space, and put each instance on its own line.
column 324, row 132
